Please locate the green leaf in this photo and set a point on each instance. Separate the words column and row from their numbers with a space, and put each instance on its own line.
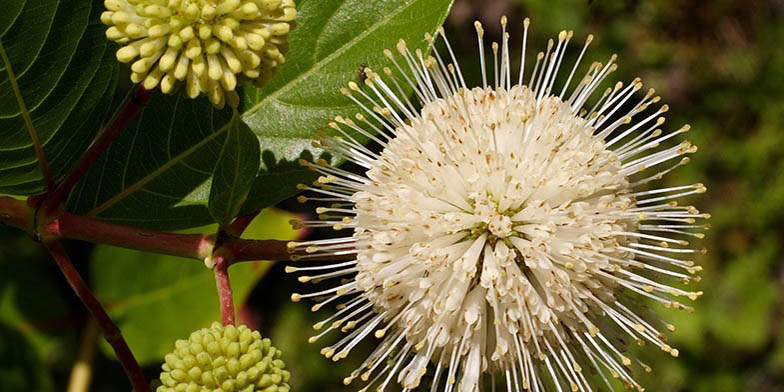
column 156, row 299
column 235, row 171
column 37, row 83
column 67, row 84
column 24, row 39
column 12, row 9
column 158, row 172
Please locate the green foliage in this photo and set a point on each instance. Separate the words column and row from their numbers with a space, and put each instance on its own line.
column 158, row 173
column 741, row 307
column 156, row 299
column 23, row 43
column 235, row 171
column 66, row 75
column 12, row 11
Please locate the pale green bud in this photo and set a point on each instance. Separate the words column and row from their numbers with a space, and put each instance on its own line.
column 224, row 359
column 224, row 42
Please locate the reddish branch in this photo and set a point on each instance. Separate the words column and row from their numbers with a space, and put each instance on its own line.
column 104, row 139
column 222, row 261
column 252, row 250
column 223, row 258
column 196, row 246
column 110, row 331
column 17, row 213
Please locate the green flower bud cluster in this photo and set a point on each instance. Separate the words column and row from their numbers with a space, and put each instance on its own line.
column 206, row 44
column 224, row 359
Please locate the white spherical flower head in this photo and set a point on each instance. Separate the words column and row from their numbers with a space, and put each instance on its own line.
column 506, row 233
column 207, row 44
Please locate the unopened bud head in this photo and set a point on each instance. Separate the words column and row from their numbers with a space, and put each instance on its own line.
column 205, row 45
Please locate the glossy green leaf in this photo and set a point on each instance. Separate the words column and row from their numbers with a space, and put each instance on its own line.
column 67, row 89
column 235, row 171
column 12, row 9
column 156, row 299
column 70, row 23
column 158, row 172
column 24, row 39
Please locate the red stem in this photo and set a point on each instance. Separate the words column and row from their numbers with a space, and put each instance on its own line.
column 104, row 139
column 254, row 250
column 17, row 213
column 223, row 259
column 197, row 246
column 222, row 262
column 110, row 330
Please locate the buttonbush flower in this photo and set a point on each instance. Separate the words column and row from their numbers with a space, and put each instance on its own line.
column 207, row 44
column 224, row 359
column 508, row 233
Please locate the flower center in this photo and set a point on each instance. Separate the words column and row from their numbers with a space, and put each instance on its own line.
column 497, row 224
column 500, row 226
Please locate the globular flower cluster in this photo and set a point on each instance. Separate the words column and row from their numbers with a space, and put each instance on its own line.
column 224, row 359
column 207, row 44
column 508, row 233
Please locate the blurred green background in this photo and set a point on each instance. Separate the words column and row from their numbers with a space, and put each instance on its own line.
column 720, row 66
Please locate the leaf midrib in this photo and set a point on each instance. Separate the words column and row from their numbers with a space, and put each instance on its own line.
column 284, row 88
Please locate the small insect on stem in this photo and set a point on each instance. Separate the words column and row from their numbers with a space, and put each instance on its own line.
column 362, row 73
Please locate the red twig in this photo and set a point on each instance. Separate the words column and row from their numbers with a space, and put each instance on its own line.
column 222, row 257
column 110, row 331
column 17, row 213
column 197, row 246
column 104, row 139
column 254, row 250
column 221, row 268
